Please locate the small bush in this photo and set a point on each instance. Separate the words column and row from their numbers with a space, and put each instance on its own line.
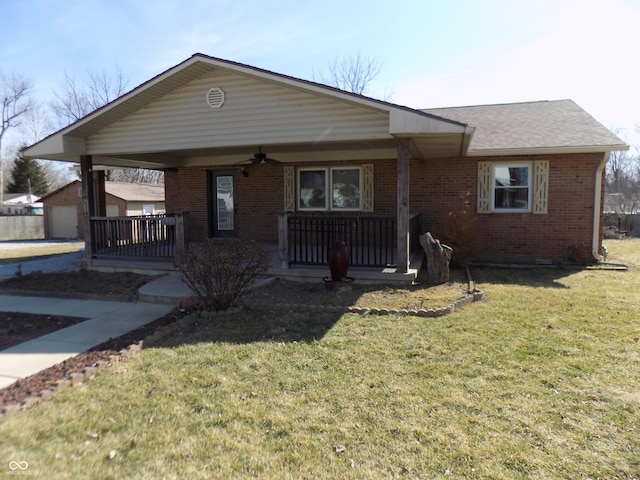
column 220, row 272
column 459, row 232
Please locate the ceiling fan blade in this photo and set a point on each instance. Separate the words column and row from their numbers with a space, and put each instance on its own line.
column 255, row 161
column 272, row 161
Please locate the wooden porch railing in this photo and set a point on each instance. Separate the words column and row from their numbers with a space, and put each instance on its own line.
column 371, row 239
column 154, row 236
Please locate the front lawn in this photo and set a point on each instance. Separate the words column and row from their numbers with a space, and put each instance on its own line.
column 540, row 380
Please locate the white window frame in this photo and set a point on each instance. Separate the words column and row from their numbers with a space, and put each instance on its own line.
column 529, row 166
column 328, row 188
column 346, row 209
column 299, row 204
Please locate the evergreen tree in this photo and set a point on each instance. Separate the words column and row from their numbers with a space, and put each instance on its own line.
column 27, row 171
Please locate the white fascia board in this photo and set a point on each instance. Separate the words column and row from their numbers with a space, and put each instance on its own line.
column 546, row 150
column 56, row 147
column 404, row 123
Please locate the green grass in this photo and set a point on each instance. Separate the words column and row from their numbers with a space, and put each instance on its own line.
column 538, row 381
column 36, row 251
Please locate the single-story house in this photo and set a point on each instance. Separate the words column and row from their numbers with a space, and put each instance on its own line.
column 296, row 165
column 64, row 213
column 21, row 204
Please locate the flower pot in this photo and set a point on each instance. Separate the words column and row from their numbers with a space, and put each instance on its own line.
column 338, row 261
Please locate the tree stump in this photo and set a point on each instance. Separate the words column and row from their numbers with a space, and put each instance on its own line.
column 437, row 258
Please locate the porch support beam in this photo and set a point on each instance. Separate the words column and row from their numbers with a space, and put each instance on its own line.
column 88, row 204
column 403, row 206
column 100, row 193
column 283, row 239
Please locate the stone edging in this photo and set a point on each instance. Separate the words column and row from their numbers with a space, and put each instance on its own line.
column 189, row 321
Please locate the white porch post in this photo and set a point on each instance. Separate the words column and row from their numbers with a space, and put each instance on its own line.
column 403, row 206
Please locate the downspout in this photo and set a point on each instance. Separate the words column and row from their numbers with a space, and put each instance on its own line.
column 597, row 207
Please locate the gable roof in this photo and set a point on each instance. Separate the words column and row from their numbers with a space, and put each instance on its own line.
column 398, row 121
column 127, row 191
column 161, row 123
column 559, row 126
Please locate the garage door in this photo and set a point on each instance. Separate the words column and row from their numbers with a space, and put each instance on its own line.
column 63, row 221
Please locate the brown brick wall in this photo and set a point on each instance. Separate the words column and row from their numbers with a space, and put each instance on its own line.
column 442, row 187
column 438, row 189
column 171, row 190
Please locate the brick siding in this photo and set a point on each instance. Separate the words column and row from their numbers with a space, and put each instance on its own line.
column 439, row 189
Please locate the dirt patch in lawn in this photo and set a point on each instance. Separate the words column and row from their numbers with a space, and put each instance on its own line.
column 387, row 297
column 78, row 284
column 18, row 327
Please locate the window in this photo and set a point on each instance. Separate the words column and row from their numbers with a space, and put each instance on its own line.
column 148, row 209
column 511, row 187
column 312, row 189
column 505, row 187
column 345, row 189
column 330, row 189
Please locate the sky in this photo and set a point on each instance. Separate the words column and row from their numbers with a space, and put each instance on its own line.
column 432, row 53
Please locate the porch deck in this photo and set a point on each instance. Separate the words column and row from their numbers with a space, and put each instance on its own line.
column 148, row 244
column 302, row 273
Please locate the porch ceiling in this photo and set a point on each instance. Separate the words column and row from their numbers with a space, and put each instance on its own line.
column 422, row 147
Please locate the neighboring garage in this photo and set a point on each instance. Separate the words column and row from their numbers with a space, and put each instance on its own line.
column 63, row 212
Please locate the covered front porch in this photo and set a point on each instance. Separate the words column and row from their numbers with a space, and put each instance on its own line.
column 150, row 243
column 200, row 121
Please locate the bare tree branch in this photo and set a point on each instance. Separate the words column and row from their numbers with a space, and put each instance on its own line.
column 75, row 100
column 14, row 96
column 353, row 73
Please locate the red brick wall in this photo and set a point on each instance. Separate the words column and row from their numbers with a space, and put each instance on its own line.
column 260, row 198
column 442, row 187
column 438, row 189
column 171, row 190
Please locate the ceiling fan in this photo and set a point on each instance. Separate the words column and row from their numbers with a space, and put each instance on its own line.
column 260, row 157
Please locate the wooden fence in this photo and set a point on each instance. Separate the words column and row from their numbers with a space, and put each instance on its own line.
column 21, row 227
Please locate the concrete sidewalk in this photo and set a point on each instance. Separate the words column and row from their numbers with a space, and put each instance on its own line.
column 106, row 320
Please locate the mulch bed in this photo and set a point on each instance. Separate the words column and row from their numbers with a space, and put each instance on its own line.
column 108, row 352
column 18, row 327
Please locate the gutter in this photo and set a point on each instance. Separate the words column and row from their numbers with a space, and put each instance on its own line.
column 597, row 207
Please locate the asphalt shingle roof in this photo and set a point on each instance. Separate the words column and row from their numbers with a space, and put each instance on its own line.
column 135, row 192
column 554, row 125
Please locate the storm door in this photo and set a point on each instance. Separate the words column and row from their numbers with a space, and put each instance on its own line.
column 222, row 203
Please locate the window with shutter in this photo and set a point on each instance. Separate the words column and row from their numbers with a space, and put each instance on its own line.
column 512, row 187
column 321, row 189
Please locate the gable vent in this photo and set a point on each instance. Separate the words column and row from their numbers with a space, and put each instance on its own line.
column 215, row 97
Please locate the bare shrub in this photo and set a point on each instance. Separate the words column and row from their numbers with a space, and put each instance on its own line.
column 220, row 272
column 459, row 232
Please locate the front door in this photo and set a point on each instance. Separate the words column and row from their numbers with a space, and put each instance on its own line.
column 222, row 203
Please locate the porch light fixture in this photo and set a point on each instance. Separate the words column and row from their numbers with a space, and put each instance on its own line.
column 215, row 97
column 243, row 170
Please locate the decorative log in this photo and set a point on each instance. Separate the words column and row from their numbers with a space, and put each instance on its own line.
column 437, row 258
